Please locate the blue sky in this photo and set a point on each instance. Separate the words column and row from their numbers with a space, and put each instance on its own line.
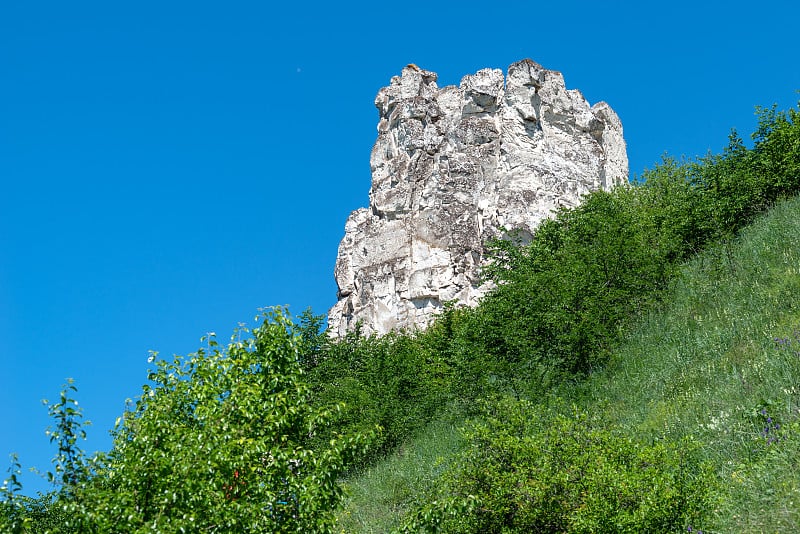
column 169, row 167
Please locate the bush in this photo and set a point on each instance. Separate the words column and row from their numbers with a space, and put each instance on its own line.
column 529, row 470
column 217, row 443
column 390, row 381
column 562, row 300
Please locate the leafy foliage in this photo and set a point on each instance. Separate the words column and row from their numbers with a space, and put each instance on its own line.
column 70, row 465
column 528, row 470
column 387, row 381
column 216, row 443
column 46, row 513
column 13, row 518
column 562, row 300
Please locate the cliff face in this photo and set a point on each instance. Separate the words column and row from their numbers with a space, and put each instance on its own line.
column 450, row 167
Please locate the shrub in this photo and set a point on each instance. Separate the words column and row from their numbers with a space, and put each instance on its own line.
column 390, row 381
column 529, row 470
column 562, row 300
column 217, row 443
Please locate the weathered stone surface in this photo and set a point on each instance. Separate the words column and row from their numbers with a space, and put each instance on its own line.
column 450, row 167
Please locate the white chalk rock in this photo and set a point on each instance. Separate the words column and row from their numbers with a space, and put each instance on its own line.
column 450, row 167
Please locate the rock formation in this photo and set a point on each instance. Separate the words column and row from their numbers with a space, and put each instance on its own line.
column 451, row 167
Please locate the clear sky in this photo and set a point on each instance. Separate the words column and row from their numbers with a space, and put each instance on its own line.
column 169, row 167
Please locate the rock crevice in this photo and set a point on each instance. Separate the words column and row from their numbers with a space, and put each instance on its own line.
column 452, row 166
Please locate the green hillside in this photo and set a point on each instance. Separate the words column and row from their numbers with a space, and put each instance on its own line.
column 636, row 370
column 715, row 367
column 719, row 362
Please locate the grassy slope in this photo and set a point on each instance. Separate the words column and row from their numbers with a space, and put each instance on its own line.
column 378, row 497
column 704, row 364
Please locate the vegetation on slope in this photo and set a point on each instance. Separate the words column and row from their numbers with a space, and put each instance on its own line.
column 709, row 379
column 554, row 325
column 719, row 362
column 605, row 386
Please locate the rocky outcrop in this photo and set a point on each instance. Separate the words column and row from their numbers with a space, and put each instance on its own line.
column 451, row 167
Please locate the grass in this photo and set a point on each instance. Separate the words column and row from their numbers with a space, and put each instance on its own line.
column 719, row 360
column 707, row 365
column 379, row 496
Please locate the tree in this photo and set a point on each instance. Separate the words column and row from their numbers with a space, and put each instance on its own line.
column 217, row 443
